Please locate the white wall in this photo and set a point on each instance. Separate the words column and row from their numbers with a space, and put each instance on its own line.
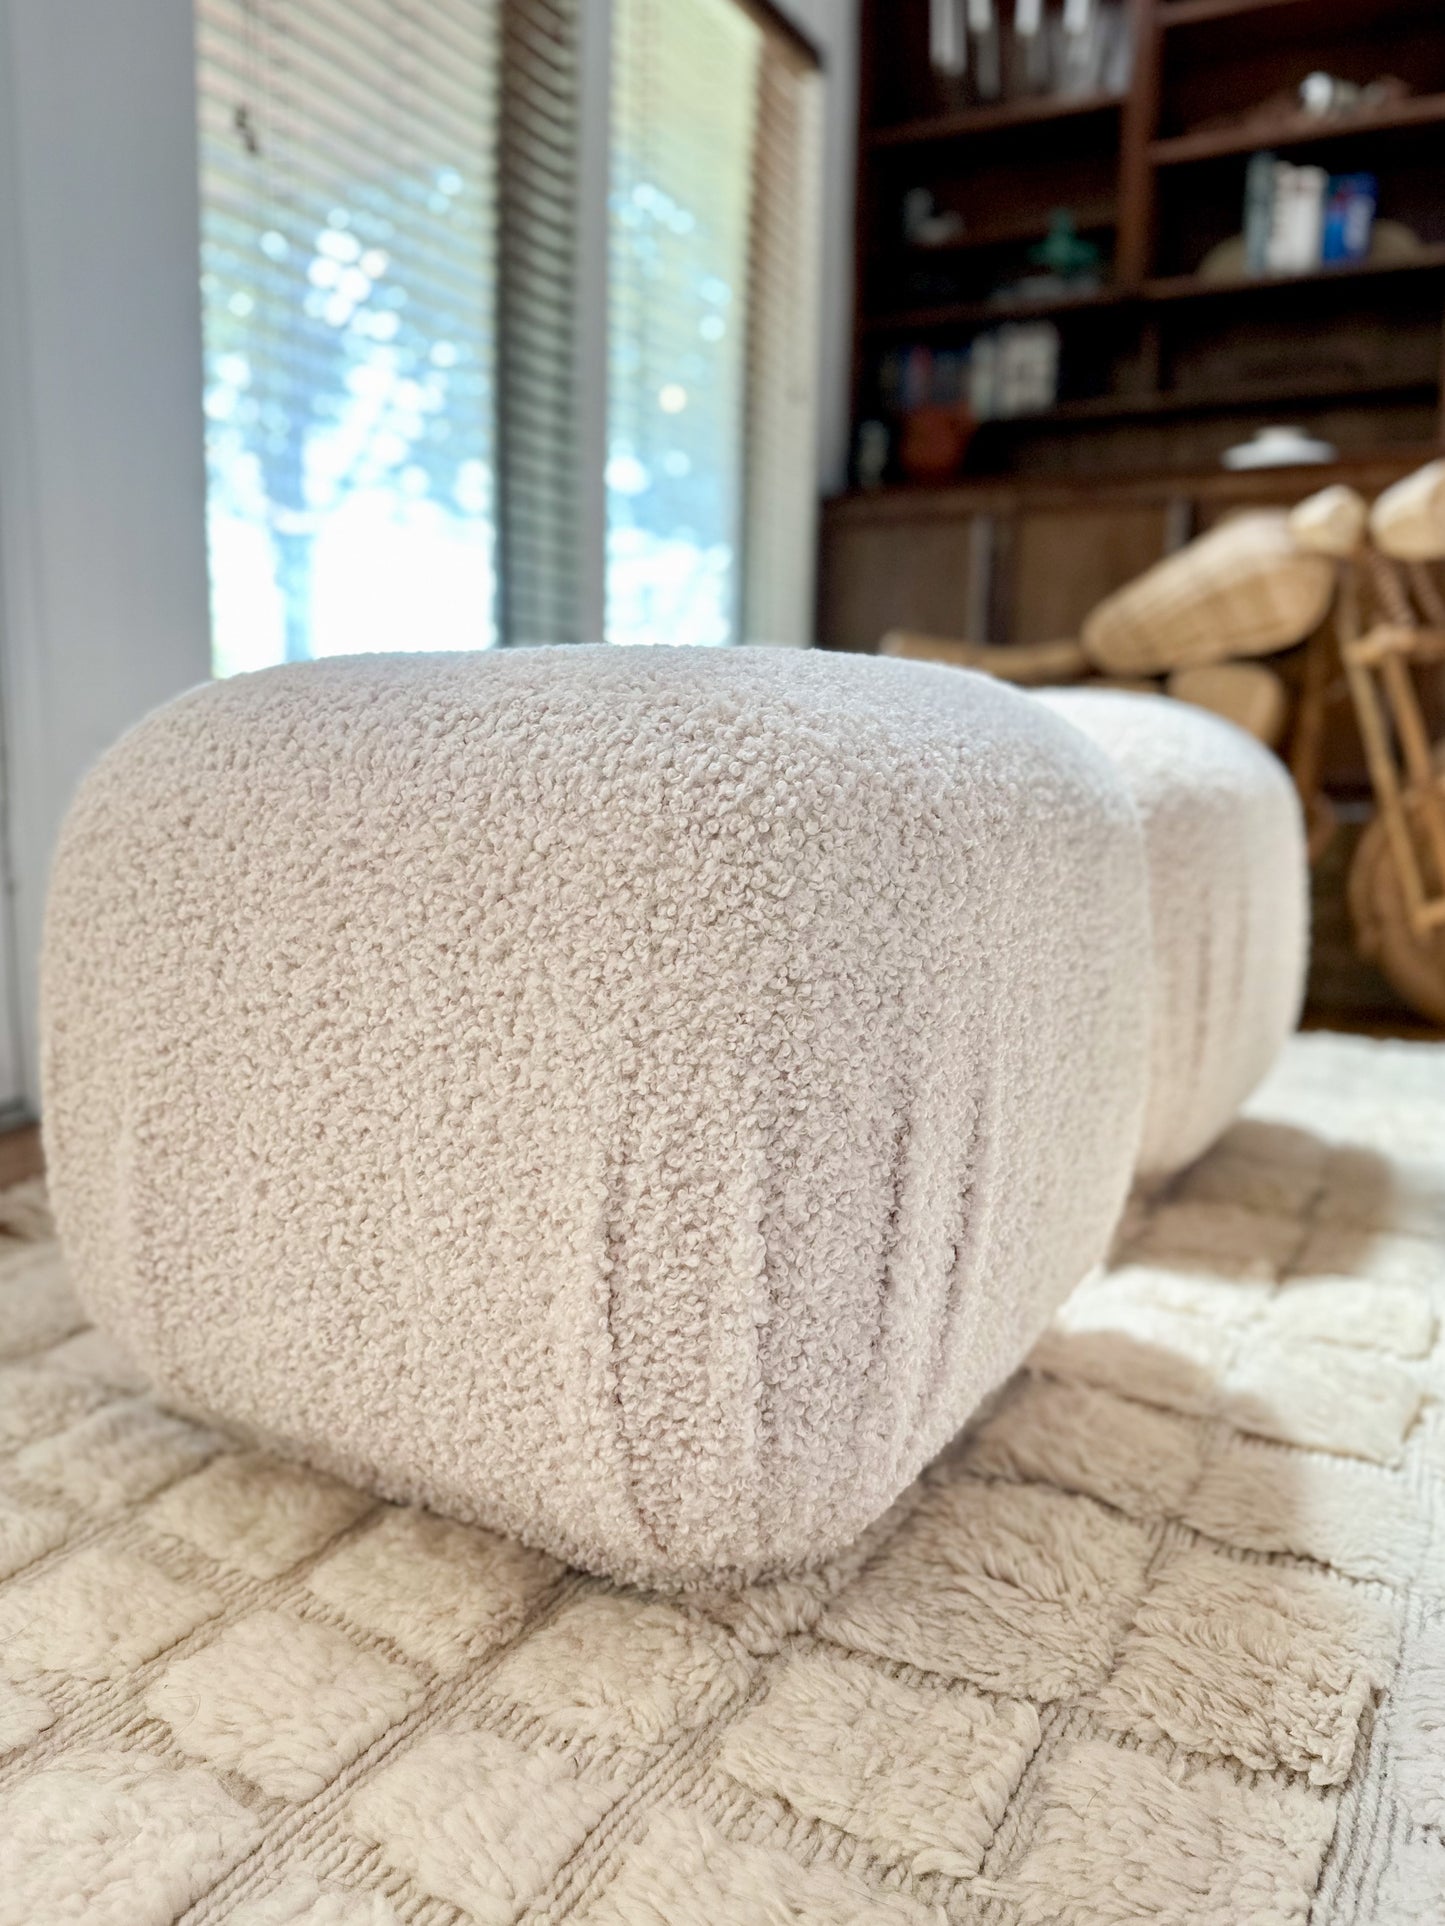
column 103, row 598
column 833, row 27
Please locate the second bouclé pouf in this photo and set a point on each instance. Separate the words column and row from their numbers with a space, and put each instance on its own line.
column 1224, row 842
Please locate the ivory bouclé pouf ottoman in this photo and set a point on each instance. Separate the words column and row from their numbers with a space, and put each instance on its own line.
column 639, row 1100
column 1224, row 843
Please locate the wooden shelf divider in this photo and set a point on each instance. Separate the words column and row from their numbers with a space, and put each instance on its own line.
column 1030, row 112
column 1196, row 287
column 1089, row 217
column 1306, row 130
column 1168, row 288
column 1189, row 13
column 1241, row 398
column 971, row 314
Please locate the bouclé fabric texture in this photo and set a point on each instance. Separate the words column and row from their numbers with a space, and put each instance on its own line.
column 1229, row 907
column 641, row 1101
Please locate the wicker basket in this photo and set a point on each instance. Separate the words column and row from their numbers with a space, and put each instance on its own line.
column 1408, row 520
column 1246, row 588
column 1331, row 521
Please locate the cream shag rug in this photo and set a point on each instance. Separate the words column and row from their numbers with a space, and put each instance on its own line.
column 1162, row 1639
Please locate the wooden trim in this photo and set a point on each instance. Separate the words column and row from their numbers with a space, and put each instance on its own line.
column 1174, row 287
column 1241, row 399
column 1140, row 122
column 1009, row 494
column 772, row 19
column 862, row 209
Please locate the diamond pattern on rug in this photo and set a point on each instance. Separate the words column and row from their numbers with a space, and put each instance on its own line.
column 27, row 1532
column 611, row 1669
column 1017, row 1588
column 444, row 1594
column 685, row 1869
column 1115, row 1838
column 306, row 1901
column 34, row 1401
column 476, row 1820
column 923, row 1776
column 1357, row 1519
column 1142, row 1461
column 97, row 1616
column 123, row 1452
column 37, row 1305
column 1324, row 1398
column 22, row 1716
column 284, row 1702
column 1269, row 1665
column 1352, row 1311
column 114, row 1838
column 256, row 1514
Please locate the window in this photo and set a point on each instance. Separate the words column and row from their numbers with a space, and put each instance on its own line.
column 684, row 120
column 348, row 190
column 713, row 230
column 391, row 197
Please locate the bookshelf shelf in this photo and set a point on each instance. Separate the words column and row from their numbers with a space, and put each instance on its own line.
column 1313, row 17
column 1089, row 216
column 973, row 314
column 1241, row 398
column 1189, row 13
column 1034, row 111
column 1305, row 131
column 1195, row 287
column 1167, row 288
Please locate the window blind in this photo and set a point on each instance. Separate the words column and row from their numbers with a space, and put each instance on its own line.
column 711, row 325
column 539, row 459
column 385, row 333
column 780, row 425
column 393, row 308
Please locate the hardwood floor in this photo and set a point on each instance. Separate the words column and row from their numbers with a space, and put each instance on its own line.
column 1410, row 1030
column 20, row 1155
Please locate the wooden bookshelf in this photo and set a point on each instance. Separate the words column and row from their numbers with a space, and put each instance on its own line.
column 1169, row 360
